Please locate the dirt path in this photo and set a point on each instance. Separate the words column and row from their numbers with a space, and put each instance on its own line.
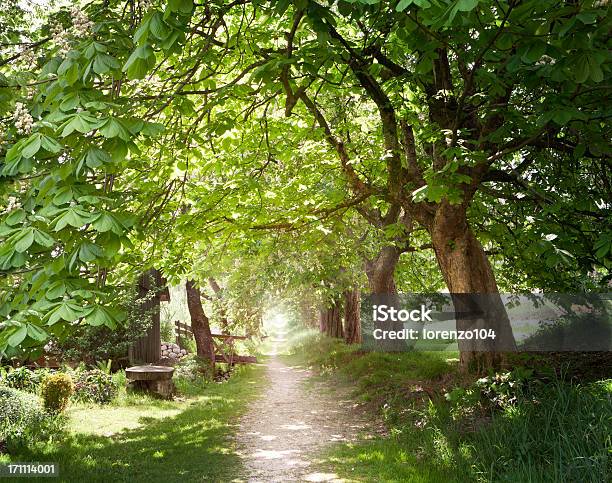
column 283, row 431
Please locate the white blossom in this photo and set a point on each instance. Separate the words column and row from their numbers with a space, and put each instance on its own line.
column 12, row 204
column 61, row 38
column 28, row 57
column 23, row 119
column 81, row 25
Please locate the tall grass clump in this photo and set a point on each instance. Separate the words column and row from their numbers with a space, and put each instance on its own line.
column 562, row 432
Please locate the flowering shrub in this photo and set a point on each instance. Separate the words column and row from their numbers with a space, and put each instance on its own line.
column 95, row 386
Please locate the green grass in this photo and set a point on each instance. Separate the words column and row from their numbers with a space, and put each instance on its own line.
column 560, row 432
column 153, row 440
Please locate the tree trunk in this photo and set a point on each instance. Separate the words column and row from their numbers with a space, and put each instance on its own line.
column 381, row 271
column 381, row 280
column 352, row 316
column 331, row 321
column 471, row 282
column 200, row 325
column 323, row 320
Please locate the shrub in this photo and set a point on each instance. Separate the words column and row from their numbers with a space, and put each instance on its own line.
column 21, row 378
column 23, row 418
column 191, row 374
column 95, row 386
column 100, row 343
column 55, row 391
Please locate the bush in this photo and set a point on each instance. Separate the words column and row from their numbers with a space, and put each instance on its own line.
column 20, row 378
column 90, row 344
column 24, row 419
column 55, row 391
column 95, row 386
column 191, row 374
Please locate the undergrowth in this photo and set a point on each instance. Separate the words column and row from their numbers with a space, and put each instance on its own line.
column 443, row 426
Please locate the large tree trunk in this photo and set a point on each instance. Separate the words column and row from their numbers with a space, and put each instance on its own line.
column 200, row 325
column 331, row 321
column 352, row 316
column 381, row 271
column 467, row 271
column 381, row 281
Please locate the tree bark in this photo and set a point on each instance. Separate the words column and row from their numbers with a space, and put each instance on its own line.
column 466, row 270
column 381, row 271
column 200, row 325
column 323, row 320
column 331, row 321
column 352, row 316
column 381, row 281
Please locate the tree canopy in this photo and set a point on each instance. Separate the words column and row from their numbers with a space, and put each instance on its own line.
column 304, row 145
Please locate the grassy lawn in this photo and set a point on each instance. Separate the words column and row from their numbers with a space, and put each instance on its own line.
column 561, row 432
column 143, row 439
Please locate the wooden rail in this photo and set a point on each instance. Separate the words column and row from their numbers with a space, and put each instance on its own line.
column 224, row 349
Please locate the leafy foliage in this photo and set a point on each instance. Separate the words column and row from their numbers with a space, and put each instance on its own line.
column 94, row 386
column 55, row 391
column 24, row 419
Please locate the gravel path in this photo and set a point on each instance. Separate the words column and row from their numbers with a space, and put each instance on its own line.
column 282, row 432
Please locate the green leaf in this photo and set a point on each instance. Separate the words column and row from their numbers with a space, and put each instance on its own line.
column 533, row 52
column 114, row 128
column 158, row 27
column 140, row 62
column 67, row 311
column 183, row 6
column 105, row 222
column 15, row 217
column 98, row 316
column 56, row 290
column 73, row 217
column 80, row 122
column 36, row 333
column 104, row 63
column 18, row 336
column 88, row 252
column 95, row 157
column 403, row 5
column 24, row 240
column 43, row 239
column 152, row 129
column 50, row 144
column 31, row 146
column 461, row 6
column 64, row 195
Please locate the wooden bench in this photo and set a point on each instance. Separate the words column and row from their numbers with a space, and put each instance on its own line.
column 153, row 379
